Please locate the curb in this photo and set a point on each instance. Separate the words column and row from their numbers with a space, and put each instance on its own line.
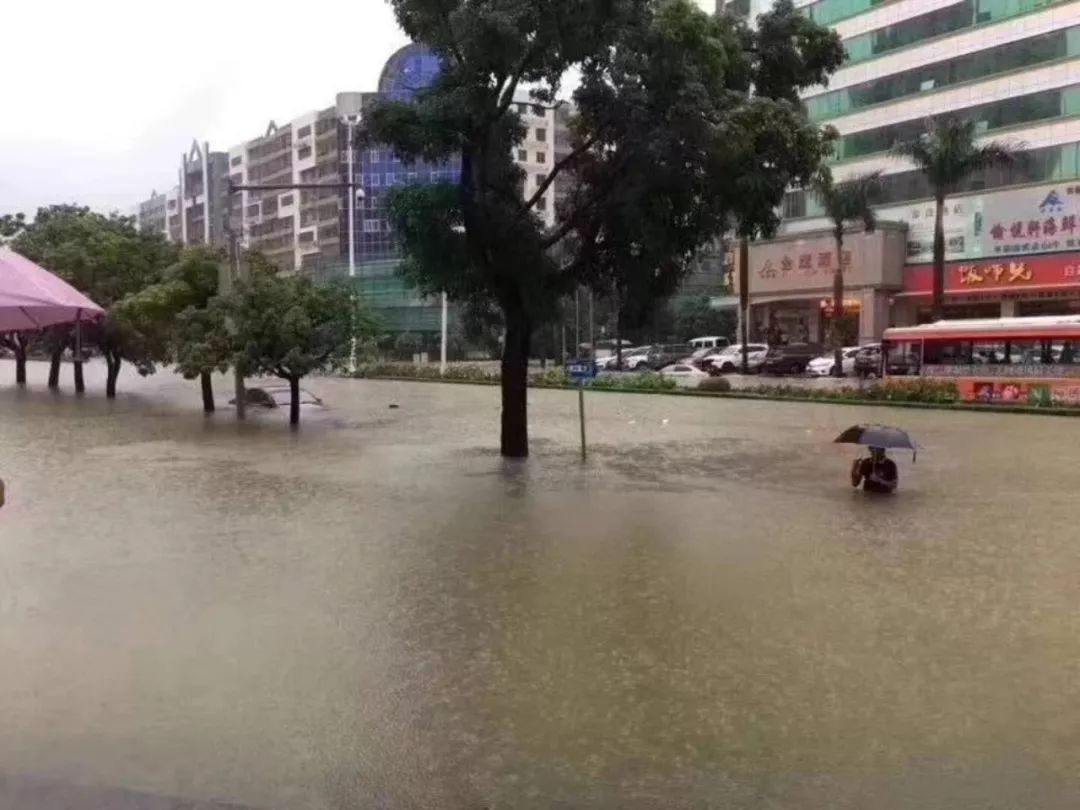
column 750, row 395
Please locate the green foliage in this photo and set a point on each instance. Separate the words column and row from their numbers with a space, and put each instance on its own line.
column 11, row 225
column 714, row 384
column 919, row 389
column 696, row 317
column 648, row 381
column 288, row 326
column 949, row 152
column 850, row 201
column 670, row 145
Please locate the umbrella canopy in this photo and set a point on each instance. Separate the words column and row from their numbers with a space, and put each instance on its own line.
column 877, row 436
column 32, row 298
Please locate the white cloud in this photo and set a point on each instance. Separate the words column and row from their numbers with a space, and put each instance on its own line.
column 101, row 98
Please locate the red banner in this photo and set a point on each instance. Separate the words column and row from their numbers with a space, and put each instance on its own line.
column 1049, row 271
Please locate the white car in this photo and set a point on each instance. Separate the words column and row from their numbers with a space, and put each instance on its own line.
column 684, row 374
column 823, row 366
column 729, row 360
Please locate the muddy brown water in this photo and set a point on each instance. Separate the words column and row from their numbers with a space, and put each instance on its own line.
column 378, row 611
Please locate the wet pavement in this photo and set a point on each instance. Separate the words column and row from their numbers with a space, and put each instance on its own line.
column 378, row 611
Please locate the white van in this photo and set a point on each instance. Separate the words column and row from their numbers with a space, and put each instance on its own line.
column 710, row 343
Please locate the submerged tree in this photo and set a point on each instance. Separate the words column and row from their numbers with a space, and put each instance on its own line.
column 284, row 326
column 663, row 116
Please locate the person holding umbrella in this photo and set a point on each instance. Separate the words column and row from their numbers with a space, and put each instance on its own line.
column 878, row 473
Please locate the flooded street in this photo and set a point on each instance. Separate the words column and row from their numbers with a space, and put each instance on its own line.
column 380, row 612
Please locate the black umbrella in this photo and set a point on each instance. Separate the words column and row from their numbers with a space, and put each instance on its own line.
column 883, row 436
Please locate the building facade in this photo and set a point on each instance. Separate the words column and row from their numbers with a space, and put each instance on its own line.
column 1012, row 67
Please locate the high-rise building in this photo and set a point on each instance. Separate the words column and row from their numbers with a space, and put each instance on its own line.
column 1013, row 235
column 193, row 211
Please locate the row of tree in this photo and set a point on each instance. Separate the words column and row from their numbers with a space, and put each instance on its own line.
column 165, row 305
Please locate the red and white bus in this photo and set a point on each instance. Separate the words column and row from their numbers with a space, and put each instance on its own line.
column 1000, row 360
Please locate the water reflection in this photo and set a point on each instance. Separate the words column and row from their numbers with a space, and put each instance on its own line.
column 378, row 611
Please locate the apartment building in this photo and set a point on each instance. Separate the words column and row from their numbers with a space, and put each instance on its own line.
column 1013, row 241
column 192, row 211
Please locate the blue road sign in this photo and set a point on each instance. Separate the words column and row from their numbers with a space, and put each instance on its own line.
column 581, row 370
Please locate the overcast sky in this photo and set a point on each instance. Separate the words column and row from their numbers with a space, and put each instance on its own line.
column 101, row 98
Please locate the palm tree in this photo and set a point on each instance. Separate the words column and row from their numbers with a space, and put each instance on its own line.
column 845, row 203
column 947, row 154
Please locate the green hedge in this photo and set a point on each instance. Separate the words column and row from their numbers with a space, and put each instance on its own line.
column 550, row 378
column 937, row 392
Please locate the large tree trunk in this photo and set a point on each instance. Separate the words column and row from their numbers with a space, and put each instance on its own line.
column 744, row 303
column 294, row 401
column 207, row 385
column 54, row 367
column 838, row 308
column 514, row 441
column 113, row 372
column 937, row 308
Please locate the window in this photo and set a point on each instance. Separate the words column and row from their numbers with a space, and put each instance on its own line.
column 1035, row 50
column 304, row 132
column 541, row 134
column 254, row 210
column 236, row 160
column 541, row 157
column 303, row 153
column 391, row 178
column 373, row 155
column 1039, row 165
column 373, row 180
column 541, row 204
column 523, row 156
column 826, row 12
column 372, row 225
column 306, row 237
column 1040, row 106
column 522, row 109
column 286, row 200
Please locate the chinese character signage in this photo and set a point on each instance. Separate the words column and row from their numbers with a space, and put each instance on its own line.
column 1045, row 219
column 1052, row 270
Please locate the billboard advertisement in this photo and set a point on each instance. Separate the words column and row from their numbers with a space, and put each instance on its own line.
column 1039, row 219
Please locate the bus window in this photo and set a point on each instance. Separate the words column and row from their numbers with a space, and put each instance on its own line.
column 947, row 353
column 990, row 352
column 1026, row 352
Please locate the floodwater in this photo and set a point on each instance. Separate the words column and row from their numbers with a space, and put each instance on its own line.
column 380, row 612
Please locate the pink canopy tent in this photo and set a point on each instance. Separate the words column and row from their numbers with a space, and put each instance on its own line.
column 32, row 298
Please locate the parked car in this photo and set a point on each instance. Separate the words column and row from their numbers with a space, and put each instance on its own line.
column 823, row 366
column 611, row 362
column 729, row 360
column 638, row 357
column 715, row 343
column 684, row 373
column 790, row 359
column 667, row 354
column 868, row 361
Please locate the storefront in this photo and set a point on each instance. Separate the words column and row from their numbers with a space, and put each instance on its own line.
column 791, row 285
column 1017, row 286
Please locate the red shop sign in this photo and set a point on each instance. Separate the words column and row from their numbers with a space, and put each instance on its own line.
column 1049, row 271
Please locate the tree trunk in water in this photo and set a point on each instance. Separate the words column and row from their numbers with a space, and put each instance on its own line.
column 515, row 379
column 744, row 302
column 207, row 384
column 54, row 368
column 80, row 384
column 938, row 301
column 294, row 401
column 838, row 308
column 20, row 363
column 113, row 373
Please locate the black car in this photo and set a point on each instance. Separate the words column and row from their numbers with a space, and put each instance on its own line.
column 868, row 361
column 790, row 359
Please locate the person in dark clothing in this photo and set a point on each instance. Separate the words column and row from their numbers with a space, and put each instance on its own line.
column 877, row 473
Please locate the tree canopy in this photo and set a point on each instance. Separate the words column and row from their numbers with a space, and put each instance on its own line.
column 683, row 123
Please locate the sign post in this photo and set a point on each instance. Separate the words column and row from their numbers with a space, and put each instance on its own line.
column 581, row 371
